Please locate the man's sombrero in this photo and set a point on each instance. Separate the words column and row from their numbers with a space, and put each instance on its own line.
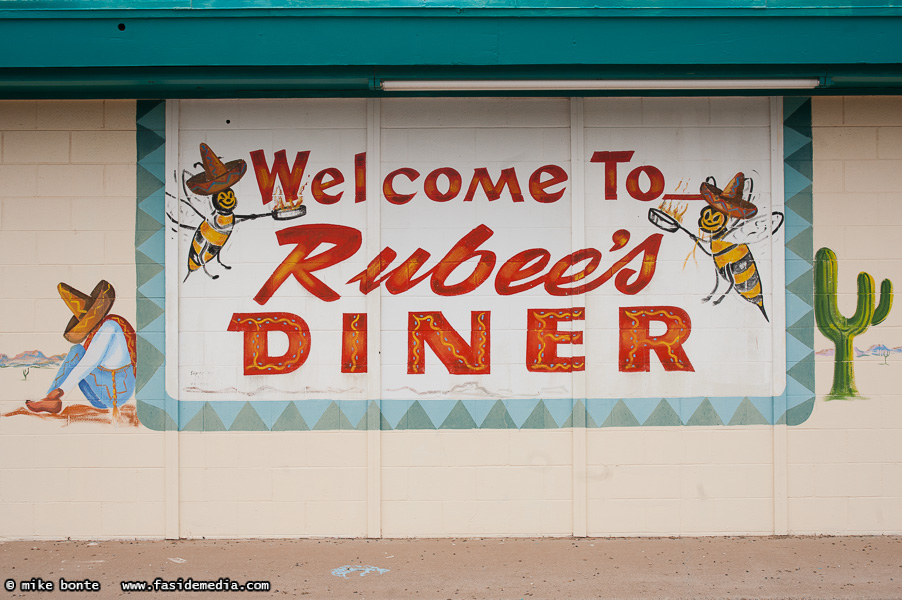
column 216, row 176
column 88, row 311
column 729, row 200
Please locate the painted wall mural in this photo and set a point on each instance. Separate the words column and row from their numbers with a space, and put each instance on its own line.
column 502, row 291
column 842, row 330
column 101, row 364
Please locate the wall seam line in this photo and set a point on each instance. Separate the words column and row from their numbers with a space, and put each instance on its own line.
column 374, row 320
column 578, row 378
column 171, row 437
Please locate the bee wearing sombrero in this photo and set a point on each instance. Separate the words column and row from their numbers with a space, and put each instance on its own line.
column 727, row 226
column 216, row 181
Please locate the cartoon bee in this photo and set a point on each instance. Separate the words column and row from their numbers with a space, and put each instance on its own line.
column 211, row 235
column 727, row 227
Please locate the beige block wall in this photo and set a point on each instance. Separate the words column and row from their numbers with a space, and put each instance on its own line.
column 67, row 214
column 487, row 483
column 845, row 462
column 680, row 481
column 273, row 484
column 639, row 481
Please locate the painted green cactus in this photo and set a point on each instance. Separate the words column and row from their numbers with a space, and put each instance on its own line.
column 837, row 328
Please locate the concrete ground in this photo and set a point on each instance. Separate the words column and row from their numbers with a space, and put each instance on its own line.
column 776, row 567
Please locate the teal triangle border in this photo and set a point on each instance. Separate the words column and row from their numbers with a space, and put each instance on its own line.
column 151, row 397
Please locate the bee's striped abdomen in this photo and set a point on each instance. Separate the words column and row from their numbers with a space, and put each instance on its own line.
column 739, row 261
column 728, row 254
column 198, row 248
column 216, row 237
column 207, row 243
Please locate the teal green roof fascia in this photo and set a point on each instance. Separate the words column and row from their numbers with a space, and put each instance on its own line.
column 178, row 40
column 277, row 50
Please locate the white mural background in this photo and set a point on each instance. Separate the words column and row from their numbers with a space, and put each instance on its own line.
column 733, row 349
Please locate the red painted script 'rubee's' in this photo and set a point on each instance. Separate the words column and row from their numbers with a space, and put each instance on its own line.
column 568, row 276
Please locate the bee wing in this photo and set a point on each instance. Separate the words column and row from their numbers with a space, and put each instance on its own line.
column 190, row 198
column 756, row 230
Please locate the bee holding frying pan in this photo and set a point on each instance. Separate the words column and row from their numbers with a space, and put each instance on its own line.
column 211, row 235
column 726, row 228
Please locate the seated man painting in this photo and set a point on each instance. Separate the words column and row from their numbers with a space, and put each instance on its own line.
column 102, row 363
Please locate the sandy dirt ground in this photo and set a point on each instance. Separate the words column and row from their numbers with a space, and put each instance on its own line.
column 777, row 567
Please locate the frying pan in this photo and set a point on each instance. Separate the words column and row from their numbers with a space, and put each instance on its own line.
column 287, row 215
column 662, row 220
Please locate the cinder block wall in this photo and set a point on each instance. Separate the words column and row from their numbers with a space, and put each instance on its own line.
column 845, row 462
column 457, row 483
column 67, row 214
column 67, row 209
column 273, row 484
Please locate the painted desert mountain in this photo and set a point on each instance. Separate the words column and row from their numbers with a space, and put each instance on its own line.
column 31, row 358
column 875, row 350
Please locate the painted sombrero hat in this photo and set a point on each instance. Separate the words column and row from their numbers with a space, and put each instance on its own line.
column 88, row 311
column 216, row 176
column 729, row 200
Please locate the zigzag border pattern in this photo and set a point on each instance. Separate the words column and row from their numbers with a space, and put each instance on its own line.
column 155, row 407
column 157, row 410
column 797, row 401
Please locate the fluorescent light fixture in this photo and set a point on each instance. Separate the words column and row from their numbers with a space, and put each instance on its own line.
column 475, row 85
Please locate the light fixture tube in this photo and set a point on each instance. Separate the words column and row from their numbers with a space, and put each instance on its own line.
column 475, row 85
